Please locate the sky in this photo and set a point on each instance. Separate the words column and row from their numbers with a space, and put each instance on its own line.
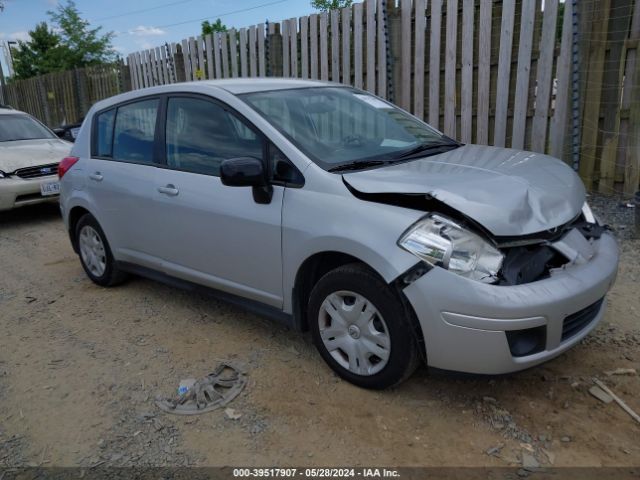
column 141, row 24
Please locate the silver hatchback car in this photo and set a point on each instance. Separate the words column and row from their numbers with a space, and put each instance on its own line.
column 336, row 212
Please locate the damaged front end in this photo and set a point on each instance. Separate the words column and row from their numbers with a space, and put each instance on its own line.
column 447, row 238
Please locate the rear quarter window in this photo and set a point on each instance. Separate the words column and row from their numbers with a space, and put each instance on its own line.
column 134, row 131
column 103, row 137
column 126, row 132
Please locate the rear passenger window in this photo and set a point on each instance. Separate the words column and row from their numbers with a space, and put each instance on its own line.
column 104, row 133
column 134, row 131
column 201, row 134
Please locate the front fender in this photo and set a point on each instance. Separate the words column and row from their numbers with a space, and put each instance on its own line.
column 317, row 222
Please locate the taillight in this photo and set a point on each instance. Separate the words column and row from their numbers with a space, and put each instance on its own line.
column 65, row 165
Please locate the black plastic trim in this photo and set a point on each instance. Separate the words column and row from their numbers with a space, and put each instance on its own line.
column 253, row 306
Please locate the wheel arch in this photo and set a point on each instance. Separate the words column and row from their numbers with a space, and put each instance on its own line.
column 308, row 274
column 320, row 263
column 75, row 214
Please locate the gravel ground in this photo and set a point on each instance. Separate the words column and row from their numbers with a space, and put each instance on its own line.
column 618, row 212
column 80, row 367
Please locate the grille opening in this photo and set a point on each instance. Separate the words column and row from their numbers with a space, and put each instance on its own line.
column 529, row 263
column 37, row 171
column 576, row 322
column 528, row 341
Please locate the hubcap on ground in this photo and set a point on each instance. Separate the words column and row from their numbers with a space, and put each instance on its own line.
column 354, row 333
column 92, row 251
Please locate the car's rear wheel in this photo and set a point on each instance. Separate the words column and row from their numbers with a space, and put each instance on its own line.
column 361, row 328
column 95, row 253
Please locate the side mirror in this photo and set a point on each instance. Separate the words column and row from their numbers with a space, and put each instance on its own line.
column 247, row 172
column 242, row 172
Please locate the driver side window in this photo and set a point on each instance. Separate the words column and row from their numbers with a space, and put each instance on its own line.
column 201, row 134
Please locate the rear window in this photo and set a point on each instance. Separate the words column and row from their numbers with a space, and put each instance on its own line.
column 127, row 132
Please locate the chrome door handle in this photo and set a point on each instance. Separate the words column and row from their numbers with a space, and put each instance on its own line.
column 170, row 190
column 96, row 176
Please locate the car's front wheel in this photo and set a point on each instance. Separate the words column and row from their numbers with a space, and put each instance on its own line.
column 95, row 253
column 361, row 328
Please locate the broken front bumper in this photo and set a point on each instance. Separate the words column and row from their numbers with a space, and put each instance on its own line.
column 465, row 323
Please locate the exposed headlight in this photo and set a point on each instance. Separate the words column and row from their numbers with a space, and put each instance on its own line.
column 441, row 242
column 588, row 214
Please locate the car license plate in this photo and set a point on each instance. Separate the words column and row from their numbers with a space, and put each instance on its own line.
column 49, row 188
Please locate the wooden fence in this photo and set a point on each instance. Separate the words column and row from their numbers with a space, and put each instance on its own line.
column 498, row 72
column 65, row 97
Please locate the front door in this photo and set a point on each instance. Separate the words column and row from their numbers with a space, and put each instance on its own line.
column 214, row 234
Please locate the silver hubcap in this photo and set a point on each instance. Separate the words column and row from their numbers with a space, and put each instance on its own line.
column 92, row 251
column 354, row 333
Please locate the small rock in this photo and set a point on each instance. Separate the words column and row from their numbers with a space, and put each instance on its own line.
column 494, row 450
column 550, row 456
column 522, row 473
column 232, row 414
column 529, row 461
column 489, row 400
column 565, row 439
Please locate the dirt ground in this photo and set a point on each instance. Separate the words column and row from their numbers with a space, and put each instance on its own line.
column 80, row 367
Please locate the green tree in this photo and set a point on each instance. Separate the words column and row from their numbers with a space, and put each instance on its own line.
column 325, row 5
column 42, row 53
column 215, row 27
column 69, row 43
column 85, row 46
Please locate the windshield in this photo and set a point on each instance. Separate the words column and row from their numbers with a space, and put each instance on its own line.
column 337, row 126
column 22, row 127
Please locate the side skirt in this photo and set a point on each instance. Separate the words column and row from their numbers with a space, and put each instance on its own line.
column 252, row 306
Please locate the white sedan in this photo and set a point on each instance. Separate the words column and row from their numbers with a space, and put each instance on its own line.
column 29, row 157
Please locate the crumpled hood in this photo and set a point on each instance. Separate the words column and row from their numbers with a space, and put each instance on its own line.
column 30, row 153
column 508, row 192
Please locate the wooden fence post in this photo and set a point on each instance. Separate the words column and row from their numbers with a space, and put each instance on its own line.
column 178, row 65
column 631, row 102
column 124, row 77
column 275, row 51
column 594, row 73
column 81, row 87
column 44, row 100
column 611, row 85
column 394, row 28
column 2, row 86
column 632, row 154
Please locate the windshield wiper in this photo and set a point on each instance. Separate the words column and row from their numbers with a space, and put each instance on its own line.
column 358, row 165
column 428, row 147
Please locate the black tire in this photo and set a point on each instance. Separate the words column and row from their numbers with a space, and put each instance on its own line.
column 112, row 275
column 404, row 354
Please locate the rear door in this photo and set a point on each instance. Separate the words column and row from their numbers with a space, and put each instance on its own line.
column 121, row 179
column 214, row 234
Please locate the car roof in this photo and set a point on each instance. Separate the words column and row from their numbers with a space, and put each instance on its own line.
column 7, row 110
column 239, row 86
column 233, row 86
